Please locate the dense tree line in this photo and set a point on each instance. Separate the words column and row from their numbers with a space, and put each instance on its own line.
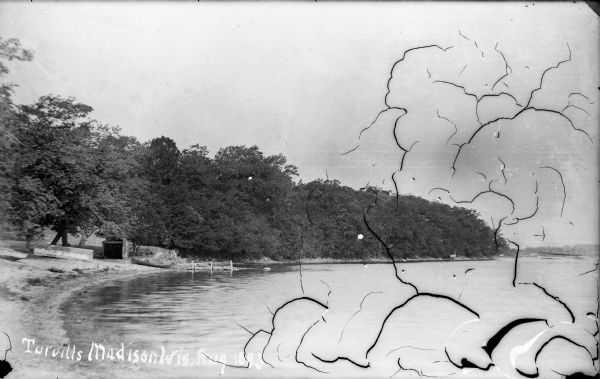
column 61, row 170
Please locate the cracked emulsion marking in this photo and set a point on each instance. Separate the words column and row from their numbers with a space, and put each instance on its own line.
column 5, row 367
column 355, row 313
column 300, row 344
column 408, row 347
column 555, row 298
column 495, row 339
column 507, row 68
column 453, row 124
column 563, row 187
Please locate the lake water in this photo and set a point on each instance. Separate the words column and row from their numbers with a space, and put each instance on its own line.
column 200, row 318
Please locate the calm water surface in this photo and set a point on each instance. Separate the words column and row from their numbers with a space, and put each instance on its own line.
column 200, row 311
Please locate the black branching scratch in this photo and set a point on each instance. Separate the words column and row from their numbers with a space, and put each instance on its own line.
column 523, row 111
column 406, row 153
column 375, row 192
column 300, row 261
column 402, row 368
column 247, row 365
column 502, row 168
column 377, row 118
column 489, row 190
column 518, row 219
column 563, row 116
column 419, row 372
column 275, row 315
column 389, row 253
column 479, row 98
column 408, row 347
column 497, row 231
column 355, row 313
column 526, row 374
column 300, row 344
column 516, row 261
column 507, row 68
column 563, row 187
column 250, row 339
column 243, row 327
column 453, row 168
column 437, row 189
column 555, row 298
column 300, row 271
column 544, row 74
column 482, row 175
column 590, row 271
column 463, row 36
column 493, row 342
column 537, row 206
column 543, row 235
column 498, row 95
column 5, row 367
column 459, row 87
column 421, row 294
column 453, row 124
column 396, row 188
column 465, row 363
column 277, row 349
column 269, row 309
column 463, row 288
column 328, row 293
column 582, row 95
column 401, row 59
column 341, row 359
column 351, row 150
column 576, row 107
column 306, row 206
column 9, row 346
column 463, row 69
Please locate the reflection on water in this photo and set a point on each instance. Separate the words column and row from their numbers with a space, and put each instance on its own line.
column 203, row 311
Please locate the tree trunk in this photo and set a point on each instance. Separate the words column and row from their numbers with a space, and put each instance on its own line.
column 55, row 240
column 65, row 237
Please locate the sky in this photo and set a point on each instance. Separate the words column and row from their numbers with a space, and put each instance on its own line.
column 304, row 79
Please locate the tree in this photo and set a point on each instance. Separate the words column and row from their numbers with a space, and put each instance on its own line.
column 70, row 173
column 10, row 49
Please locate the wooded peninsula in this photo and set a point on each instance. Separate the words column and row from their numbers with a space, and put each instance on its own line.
column 63, row 171
column 73, row 175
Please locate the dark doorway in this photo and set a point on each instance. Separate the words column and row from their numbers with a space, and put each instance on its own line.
column 113, row 249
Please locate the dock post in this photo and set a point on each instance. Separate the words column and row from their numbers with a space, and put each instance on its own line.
column 211, row 268
column 230, row 265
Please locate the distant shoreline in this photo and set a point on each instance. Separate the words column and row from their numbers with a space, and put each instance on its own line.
column 316, row 261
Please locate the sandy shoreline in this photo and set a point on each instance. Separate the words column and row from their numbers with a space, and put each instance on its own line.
column 32, row 291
